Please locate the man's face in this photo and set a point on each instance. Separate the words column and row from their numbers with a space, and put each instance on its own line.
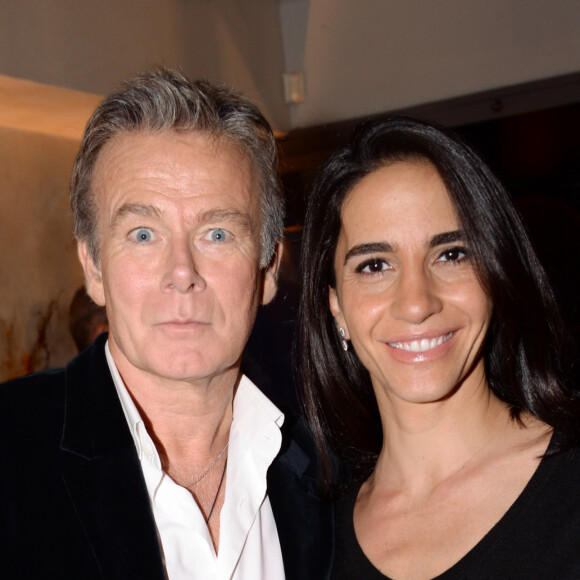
column 179, row 230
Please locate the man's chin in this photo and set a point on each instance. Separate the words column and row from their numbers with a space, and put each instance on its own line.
column 186, row 369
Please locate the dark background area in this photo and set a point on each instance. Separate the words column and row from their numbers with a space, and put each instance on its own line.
column 535, row 153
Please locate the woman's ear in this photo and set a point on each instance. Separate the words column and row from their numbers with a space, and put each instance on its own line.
column 336, row 311
column 93, row 276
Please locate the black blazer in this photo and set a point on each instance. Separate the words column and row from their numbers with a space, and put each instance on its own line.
column 73, row 501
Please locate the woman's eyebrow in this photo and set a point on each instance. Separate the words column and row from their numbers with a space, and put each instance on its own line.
column 378, row 247
column 447, row 238
column 371, row 248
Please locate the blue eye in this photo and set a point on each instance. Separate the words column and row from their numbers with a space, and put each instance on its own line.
column 142, row 235
column 218, row 235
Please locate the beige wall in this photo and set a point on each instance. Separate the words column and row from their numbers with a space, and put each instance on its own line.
column 38, row 266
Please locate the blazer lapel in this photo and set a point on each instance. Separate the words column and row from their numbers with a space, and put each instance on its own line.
column 305, row 523
column 106, row 484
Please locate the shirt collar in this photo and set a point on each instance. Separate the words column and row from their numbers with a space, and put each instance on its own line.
column 143, row 441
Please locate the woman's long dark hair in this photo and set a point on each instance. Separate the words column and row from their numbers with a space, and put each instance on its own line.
column 523, row 348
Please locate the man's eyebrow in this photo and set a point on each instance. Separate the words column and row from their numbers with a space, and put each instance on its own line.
column 151, row 211
column 371, row 248
column 447, row 238
column 227, row 215
column 138, row 209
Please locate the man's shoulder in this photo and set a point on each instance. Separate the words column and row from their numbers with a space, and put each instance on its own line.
column 31, row 414
column 295, row 429
column 298, row 452
column 34, row 396
column 294, row 492
column 34, row 387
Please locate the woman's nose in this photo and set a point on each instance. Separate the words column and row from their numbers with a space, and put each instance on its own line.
column 416, row 296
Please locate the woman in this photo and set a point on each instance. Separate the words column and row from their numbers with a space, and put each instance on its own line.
column 432, row 366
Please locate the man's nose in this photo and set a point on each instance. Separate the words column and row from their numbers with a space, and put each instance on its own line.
column 183, row 271
column 416, row 296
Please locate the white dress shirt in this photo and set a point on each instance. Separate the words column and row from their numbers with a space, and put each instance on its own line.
column 249, row 548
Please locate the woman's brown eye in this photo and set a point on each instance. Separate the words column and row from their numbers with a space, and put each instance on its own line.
column 372, row 266
column 453, row 255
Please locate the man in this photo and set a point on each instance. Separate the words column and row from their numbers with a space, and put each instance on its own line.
column 150, row 456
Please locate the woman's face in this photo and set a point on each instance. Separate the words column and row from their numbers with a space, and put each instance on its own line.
column 407, row 294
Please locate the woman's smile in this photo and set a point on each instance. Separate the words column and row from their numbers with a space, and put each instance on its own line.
column 422, row 350
column 421, row 345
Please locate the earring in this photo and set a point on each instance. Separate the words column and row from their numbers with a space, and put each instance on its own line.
column 343, row 339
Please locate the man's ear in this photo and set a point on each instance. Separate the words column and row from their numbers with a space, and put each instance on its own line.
column 336, row 311
column 270, row 275
column 93, row 277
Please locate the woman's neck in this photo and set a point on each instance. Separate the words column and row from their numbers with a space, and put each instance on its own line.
column 427, row 442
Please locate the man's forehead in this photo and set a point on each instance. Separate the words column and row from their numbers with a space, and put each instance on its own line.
column 213, row 177
column 147, row 143
column 212, row 143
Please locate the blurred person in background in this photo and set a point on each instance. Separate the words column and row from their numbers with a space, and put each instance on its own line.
column 86, row 320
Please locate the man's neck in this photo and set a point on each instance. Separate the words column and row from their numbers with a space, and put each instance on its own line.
column 185, row 418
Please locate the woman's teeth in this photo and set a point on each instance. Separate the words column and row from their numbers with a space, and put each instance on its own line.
column 421, row 345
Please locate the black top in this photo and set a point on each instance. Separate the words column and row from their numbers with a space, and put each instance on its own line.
column 538, row 538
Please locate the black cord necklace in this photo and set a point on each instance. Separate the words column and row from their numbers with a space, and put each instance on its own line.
column 217, row 492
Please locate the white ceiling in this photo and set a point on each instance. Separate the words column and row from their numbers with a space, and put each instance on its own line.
column 369, row 56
